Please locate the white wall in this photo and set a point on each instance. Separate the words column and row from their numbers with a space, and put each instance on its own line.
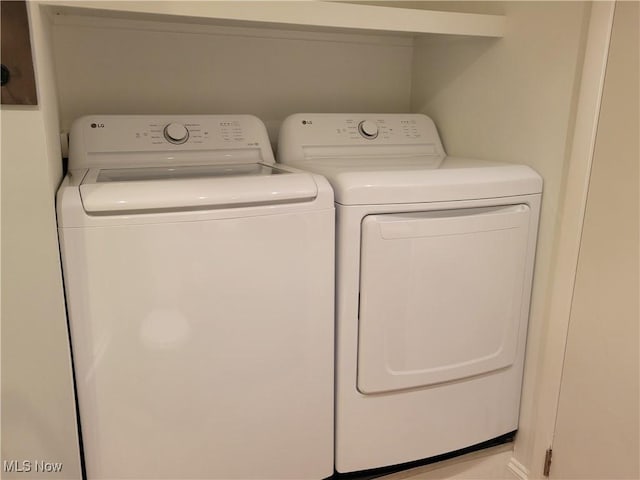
column 123, row 66
column 38, row 412
column 597, row 433
column 38, row 407
column 513, row 100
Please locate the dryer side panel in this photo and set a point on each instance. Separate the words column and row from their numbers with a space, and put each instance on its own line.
column 441, row 295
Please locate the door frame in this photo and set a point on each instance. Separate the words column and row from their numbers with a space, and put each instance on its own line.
column 528, row 457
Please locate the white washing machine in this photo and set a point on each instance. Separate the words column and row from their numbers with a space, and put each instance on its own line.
column 434, row 267
column 199, row 284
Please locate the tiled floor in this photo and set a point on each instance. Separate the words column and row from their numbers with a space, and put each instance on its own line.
column 488, row 464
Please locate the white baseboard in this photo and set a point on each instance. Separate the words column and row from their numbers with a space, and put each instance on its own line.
column 518, row 470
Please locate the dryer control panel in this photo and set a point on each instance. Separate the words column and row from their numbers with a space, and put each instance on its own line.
column 146, row 140
column 307, row 136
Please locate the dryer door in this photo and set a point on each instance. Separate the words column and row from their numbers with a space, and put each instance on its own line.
column 441, row 295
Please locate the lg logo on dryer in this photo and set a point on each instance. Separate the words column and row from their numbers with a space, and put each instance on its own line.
column 97, row 125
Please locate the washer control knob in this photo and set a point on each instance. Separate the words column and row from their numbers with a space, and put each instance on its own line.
column 176, row 133
column 368, row 129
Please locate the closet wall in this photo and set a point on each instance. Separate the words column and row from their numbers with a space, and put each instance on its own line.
column 38, row 405
column 124, row 66
column 510, row 99
column 597, row 429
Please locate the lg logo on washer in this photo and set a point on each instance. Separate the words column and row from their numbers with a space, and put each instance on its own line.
column 97, row 125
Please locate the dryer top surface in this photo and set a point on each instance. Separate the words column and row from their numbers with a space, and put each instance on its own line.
column 394, row 181
column 374, row 159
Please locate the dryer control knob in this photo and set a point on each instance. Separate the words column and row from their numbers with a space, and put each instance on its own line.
column 176, row 133
column 368, row 129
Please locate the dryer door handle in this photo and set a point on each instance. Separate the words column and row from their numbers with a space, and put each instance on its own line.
column 450, row 222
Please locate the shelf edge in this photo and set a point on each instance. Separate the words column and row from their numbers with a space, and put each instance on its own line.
column 297, row 14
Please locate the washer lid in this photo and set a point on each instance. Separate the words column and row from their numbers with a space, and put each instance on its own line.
column 378, row 182
column 105, row 191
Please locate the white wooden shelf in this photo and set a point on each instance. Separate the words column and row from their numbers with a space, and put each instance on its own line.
column 305, row 14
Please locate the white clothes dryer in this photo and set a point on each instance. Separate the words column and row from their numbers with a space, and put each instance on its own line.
column 434, row 267
column 199, row 285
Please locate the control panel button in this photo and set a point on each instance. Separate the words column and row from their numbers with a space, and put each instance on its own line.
column 176, row 133
column 368, row 129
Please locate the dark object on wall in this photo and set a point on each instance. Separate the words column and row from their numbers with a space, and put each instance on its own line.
column 5, row 75
column 17, row 62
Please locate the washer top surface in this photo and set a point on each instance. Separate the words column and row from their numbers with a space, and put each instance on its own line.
column 131, row 164
column 128, row 190
column 192, row 171
column 404, row 163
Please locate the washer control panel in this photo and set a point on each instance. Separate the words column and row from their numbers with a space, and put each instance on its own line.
column 176, row 137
